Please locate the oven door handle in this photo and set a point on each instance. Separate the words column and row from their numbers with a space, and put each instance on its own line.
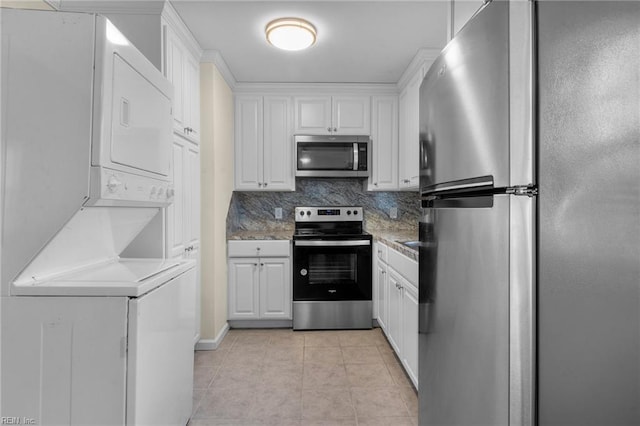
column 335, row 243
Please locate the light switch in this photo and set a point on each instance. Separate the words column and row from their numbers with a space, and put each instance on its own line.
column 278, row 213
column 393, row 212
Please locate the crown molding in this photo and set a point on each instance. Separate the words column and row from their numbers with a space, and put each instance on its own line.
column 319, row 88
column 133, row 7
column 172, row 18
column 424, row 56
column 214, row 57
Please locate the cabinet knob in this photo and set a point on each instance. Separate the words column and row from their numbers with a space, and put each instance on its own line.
column 262, row 264
column 335, row 129
column 328, row 129
column 264, row 184
column 375, row 183
column 259, row 184
column 384, row 272
column 406, row 180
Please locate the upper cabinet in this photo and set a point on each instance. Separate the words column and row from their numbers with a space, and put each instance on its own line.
column 409, row 107
column 384, row 143
column 341, row 115
column 181, row 66
column 409, row 120
column 263, row 143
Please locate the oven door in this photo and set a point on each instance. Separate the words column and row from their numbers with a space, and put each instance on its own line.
column 332, row 270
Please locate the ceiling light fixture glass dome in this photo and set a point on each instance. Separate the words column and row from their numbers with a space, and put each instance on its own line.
column 291, row 33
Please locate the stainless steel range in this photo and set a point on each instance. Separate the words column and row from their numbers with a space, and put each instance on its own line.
column 331, row 269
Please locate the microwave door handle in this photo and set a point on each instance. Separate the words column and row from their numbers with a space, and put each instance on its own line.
column 355, row 156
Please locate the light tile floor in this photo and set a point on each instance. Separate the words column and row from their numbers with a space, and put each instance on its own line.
column 294, row 378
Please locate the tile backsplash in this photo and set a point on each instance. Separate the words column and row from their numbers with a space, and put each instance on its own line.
column 256, row 210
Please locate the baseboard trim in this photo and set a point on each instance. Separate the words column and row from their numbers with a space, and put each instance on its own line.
column 260, row 323
column 212, row 344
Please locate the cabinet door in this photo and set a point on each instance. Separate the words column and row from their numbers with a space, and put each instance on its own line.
column 243, row 288
column 275, row 288
column 174, row 69
column 191, row 97
column 382, row 284
column 409, row 352
column 394, row 325
column 192, row 192
column 175, row 212
column 384, row 141
column 351, row 115
column 409, row 145
column 248, row 143
column 313, row 115
column 278, row 144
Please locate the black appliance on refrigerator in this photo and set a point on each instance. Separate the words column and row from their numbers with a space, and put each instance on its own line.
column 530, row 235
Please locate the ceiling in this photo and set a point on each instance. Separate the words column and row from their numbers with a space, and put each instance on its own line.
column 358, row 41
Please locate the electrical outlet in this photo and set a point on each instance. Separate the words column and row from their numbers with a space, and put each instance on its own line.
column 278, row 213
column 393, row 212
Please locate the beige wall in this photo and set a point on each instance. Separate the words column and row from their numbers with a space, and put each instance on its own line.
column 216, row 159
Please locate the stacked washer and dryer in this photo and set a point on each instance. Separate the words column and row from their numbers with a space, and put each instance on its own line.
column 87, row 337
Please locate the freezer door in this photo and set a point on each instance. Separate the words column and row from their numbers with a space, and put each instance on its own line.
column 589, row 269
column 464, row 313
column 464, row 106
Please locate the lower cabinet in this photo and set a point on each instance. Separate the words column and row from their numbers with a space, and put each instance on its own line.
column 397, row 299
column 259, row 286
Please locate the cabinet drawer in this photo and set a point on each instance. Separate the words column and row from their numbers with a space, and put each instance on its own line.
column 381, row 252
column 407, row 267
column 259, row 248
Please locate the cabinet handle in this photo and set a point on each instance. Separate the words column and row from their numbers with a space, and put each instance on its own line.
column 379, row 252
column 406, row 180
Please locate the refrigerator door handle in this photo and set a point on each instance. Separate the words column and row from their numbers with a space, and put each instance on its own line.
column 458, row 186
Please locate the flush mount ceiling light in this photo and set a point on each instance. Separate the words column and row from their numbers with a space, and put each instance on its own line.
column 290, row 33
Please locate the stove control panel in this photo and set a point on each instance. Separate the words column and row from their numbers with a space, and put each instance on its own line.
column 328, row 214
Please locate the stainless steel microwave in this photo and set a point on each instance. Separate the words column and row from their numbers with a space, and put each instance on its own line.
column 332, row 156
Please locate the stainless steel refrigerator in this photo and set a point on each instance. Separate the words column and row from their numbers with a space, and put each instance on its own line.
column 530, row 237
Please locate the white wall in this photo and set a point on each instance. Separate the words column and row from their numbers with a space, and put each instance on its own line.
column 462, row 11
column 216, row 162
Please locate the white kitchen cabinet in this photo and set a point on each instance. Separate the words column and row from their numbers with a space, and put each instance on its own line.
column 409, row 145
column 410, row 330
column 182, row 69
column 384, row 142
column 340, row 114
column 263, row 144
column 259, row 286
column 380, row 283
column 394, row 321
column 183, row 216
column 398, row 305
